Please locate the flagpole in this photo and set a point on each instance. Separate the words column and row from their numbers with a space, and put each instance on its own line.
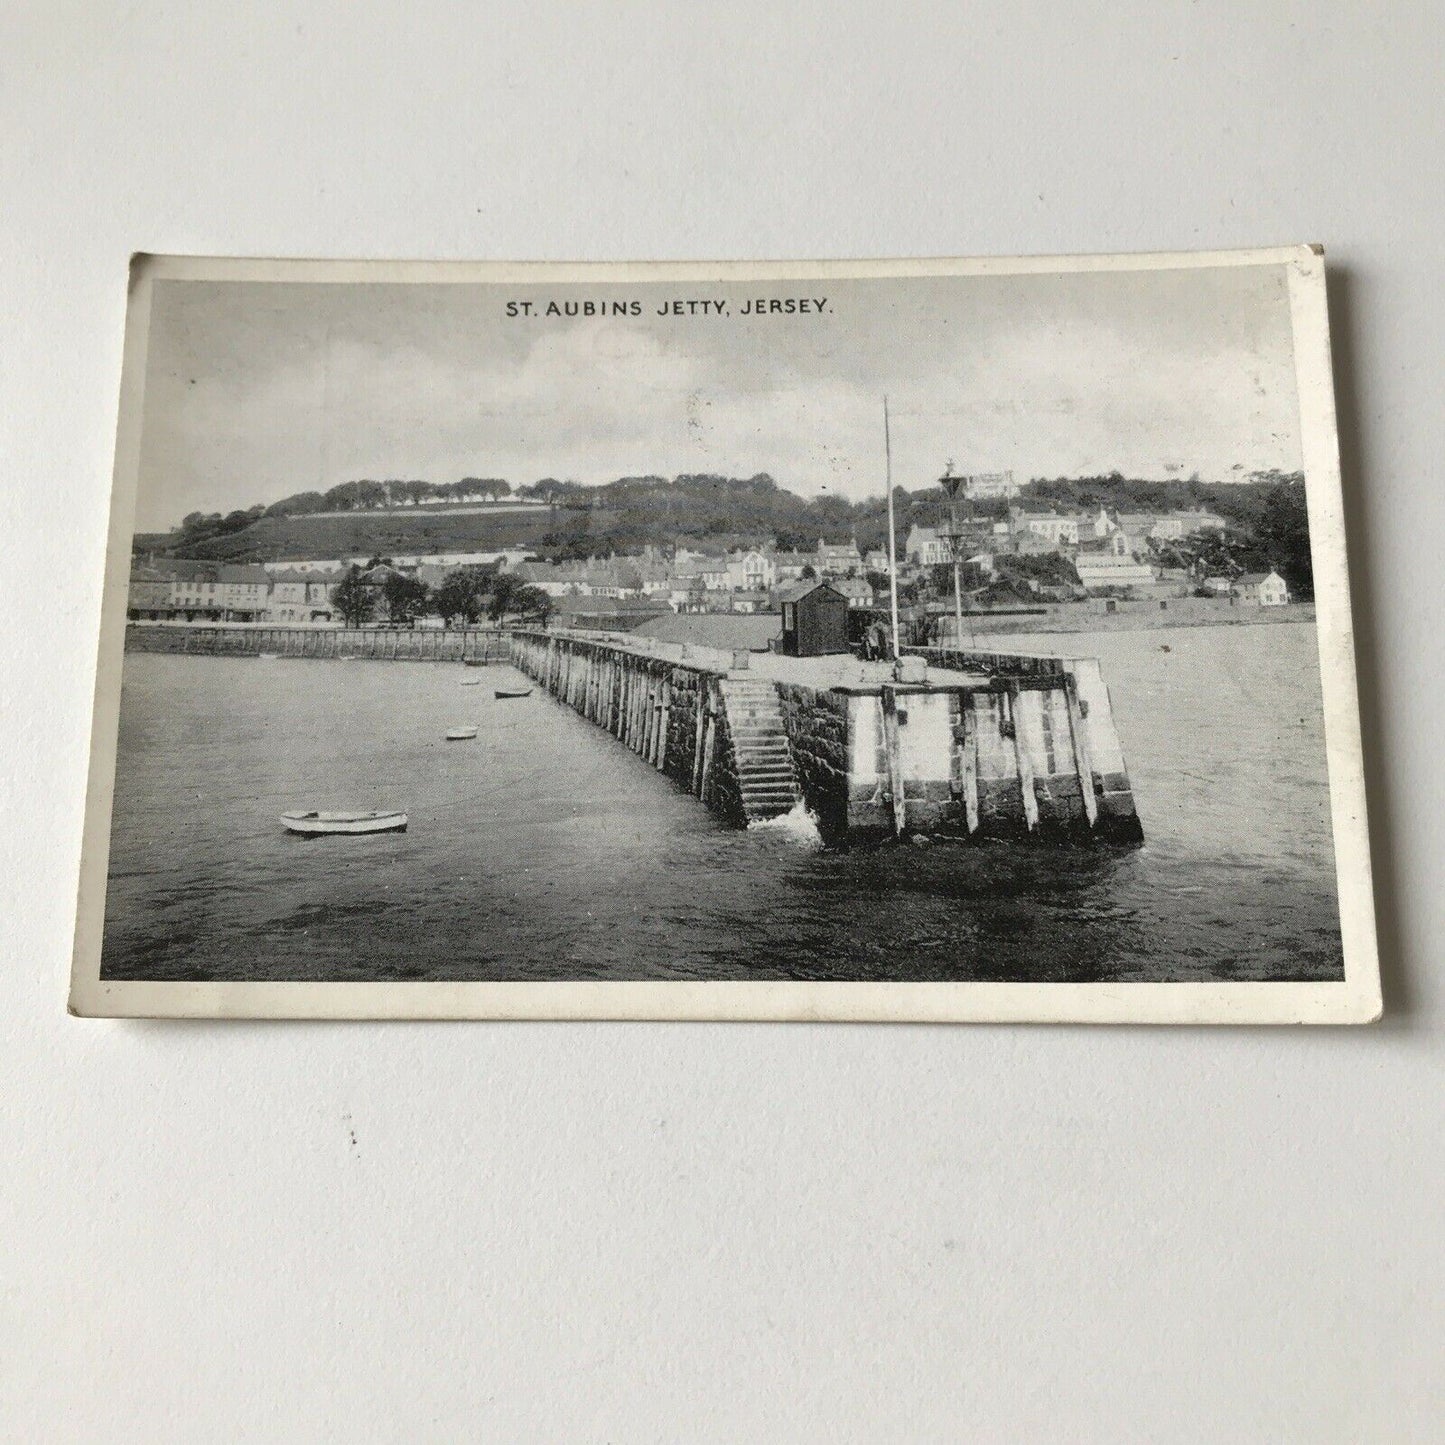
column 892, row 542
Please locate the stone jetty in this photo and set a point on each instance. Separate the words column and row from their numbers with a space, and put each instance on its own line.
column 967, row 745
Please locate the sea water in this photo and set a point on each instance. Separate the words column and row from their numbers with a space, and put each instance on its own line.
column 545, row 849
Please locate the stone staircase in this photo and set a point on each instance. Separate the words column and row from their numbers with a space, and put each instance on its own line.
column 766, row 777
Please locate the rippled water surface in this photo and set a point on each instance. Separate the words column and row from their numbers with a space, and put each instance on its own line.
column 545, row 849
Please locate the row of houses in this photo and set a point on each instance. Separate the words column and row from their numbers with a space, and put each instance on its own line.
column 407, row 562
column 1025, row 531
column 1106, row 551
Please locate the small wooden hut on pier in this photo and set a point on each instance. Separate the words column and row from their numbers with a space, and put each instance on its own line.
column 815, row 620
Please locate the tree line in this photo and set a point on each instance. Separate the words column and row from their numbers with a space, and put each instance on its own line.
column 716, row 510
column 366, row 495
column 463, row 597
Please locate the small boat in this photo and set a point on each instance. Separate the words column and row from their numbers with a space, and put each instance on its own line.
column 460, row 735
column 312, row 823
column 268, row 656
column 474, row 661
column 514, row 692
column 470, row 682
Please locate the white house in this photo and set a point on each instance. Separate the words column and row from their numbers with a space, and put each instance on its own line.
column 927, row 546
column 752, row 571
column 1108, row 569
column 838, row 559
column 990, row 485
column 1174, row 526
column 300, row 597
column 1052, row 526
column 1264, row 589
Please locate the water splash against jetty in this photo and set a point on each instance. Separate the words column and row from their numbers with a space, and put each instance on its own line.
column 798, row 825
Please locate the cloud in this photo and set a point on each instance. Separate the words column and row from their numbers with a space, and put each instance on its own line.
column 255, row 392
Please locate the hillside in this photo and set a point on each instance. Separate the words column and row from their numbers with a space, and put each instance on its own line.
column 363, row 534
column 698, row 510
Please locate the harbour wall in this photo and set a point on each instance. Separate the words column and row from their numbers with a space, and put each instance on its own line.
column 672, row 715
column 421, row 644
column 984, row 746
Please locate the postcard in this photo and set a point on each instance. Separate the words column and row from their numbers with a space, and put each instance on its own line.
column 887, row 640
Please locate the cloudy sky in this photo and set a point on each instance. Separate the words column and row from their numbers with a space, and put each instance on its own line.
column 258, row 390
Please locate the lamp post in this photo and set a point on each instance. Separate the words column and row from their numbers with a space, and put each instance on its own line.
column 952, row 484
column 892, row 543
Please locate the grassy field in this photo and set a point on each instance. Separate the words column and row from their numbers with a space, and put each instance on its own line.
column 369, row 533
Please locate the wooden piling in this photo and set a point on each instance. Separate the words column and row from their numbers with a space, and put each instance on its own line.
column 895, row 759
column 1083, row 761
column 1025, row 763
column 699, row 729
column 709, row 742
column 969, row 719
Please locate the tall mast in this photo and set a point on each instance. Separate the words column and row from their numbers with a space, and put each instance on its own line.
column 951, row 484
column 892, row 543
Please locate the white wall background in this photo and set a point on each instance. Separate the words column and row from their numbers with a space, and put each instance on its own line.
column 619, row 1233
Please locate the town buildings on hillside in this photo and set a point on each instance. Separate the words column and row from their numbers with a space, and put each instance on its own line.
column 1110, row 552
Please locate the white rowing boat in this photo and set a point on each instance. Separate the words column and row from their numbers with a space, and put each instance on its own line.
column 392, row 822
column 460, row 735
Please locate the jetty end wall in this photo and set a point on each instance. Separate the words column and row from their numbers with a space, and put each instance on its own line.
column 1052, row 717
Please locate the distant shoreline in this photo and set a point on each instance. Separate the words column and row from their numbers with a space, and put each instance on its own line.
column 1141, row 618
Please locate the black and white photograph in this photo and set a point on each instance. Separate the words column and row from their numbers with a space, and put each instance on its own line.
column 860, row 640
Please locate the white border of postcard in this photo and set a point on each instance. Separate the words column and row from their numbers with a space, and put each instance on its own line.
column 1356, row 999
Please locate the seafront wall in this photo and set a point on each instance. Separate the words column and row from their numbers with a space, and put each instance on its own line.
column 421, row 644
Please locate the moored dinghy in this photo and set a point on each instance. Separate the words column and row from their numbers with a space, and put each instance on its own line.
column 314, row 823
column 460, row 735
column 514, row 692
